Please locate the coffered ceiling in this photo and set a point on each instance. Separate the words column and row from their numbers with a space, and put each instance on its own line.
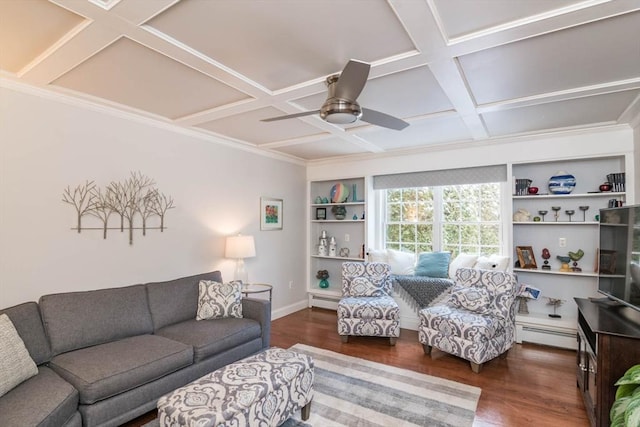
column 459, row 71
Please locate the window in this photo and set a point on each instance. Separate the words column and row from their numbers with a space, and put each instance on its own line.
column 455, row 218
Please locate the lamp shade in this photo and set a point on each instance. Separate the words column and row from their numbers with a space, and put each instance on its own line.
column 240, row 247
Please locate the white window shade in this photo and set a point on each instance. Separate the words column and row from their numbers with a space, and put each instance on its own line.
column 476, row 175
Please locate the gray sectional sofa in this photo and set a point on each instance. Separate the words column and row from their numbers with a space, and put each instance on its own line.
column 105, row 357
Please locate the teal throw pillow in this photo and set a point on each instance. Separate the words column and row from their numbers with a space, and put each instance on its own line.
column 433, row 264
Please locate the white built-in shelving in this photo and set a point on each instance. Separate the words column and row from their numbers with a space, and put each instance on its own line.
column 578, row 231
column 350, row 233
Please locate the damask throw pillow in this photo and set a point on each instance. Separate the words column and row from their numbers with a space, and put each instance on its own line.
column 16, row 365
column 472, row 299
column 217, row 300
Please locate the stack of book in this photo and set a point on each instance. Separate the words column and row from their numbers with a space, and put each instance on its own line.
column 617, row 181
column 522, row 186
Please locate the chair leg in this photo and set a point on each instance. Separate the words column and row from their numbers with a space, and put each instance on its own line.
column 306, row 411
column 345, row 338
column 392, row 341
column 426, row 348
column 476, row 367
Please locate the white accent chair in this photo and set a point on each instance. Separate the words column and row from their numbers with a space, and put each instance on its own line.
column 478, row 321
column 367, row 307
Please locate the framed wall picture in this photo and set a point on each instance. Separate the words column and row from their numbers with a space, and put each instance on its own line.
column 321, row 213
column 271, row 211
column 607, row 262
column 526, row 257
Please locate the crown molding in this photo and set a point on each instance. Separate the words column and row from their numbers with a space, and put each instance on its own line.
column 141, row 118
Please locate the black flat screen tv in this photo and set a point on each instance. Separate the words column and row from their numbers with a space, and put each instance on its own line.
column 619, row 255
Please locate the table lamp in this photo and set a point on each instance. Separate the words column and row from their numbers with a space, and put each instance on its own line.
column 240, row 247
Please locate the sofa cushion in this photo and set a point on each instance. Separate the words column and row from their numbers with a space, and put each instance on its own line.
column 45, row 400
column 105, row 370
column 16, row 365
column 27, row 321
column 81, row 319
column 210, row 337
column 217, row 300
column 176, row 300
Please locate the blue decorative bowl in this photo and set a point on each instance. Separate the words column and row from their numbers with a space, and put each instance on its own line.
column 562, row 183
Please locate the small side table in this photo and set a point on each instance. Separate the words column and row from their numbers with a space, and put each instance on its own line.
column 256, row 288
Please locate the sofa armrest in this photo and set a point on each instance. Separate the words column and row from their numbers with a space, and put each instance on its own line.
column 260, row 311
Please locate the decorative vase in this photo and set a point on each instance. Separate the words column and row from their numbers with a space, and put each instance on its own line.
column 606, row 186
column 340, row 212
column 562, row 183
column 324, row 283
column 354, row 198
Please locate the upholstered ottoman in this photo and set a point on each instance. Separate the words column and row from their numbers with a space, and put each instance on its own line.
column 265, row 389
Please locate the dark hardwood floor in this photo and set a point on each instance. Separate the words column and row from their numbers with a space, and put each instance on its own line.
column 533, row 385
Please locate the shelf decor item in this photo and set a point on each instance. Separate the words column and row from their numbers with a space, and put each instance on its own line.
column 526, row 257
column 323, row 275
column 556, row 209
column 555, row 302
column 321, row 213
column 575, row 257
column 562, row 183
column 570, row 212
column 565, row 263
column 340, row 212
column 543, row 213
column 584, row 212
column 339, row 193
column 546, row 255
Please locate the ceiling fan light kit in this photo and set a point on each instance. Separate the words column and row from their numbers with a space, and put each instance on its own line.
column 341, row 106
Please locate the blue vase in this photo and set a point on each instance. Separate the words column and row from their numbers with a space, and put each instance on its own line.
column 324, row 283
column 562, row 183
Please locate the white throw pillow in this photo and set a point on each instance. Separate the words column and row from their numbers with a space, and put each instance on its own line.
column 462, row 260
column 401, row 262
column 493, row 262
column 16, row 365
column 217, row 300
column 378, row 256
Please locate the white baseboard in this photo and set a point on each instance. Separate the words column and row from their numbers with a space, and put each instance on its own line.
column 292, row 308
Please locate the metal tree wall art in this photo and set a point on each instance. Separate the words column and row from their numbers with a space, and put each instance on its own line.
column 134, row 197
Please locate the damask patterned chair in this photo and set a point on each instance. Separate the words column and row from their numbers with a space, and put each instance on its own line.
column 478, row 321
column 366, row 307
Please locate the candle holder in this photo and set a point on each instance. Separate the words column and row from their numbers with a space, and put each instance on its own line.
column 584, row 212
column 542, row 214
column 556, row 209
column 570, row 212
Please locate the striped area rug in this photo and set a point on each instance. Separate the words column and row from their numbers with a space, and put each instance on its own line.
column 354, row 392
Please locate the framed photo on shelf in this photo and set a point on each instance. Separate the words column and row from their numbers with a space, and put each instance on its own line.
column 526, row 258
column 270, row 214
column 321, row 213
column 607, row 262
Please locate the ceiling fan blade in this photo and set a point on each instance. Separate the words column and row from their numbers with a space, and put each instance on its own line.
column 382, row 119
column 352, row 80
column 291, row 116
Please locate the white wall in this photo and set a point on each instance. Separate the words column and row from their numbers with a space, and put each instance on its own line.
column 47, row 145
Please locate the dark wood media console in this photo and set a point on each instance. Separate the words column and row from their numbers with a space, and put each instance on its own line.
column 608, row 345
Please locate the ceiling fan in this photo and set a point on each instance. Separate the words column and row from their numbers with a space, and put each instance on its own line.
column 341, row 106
